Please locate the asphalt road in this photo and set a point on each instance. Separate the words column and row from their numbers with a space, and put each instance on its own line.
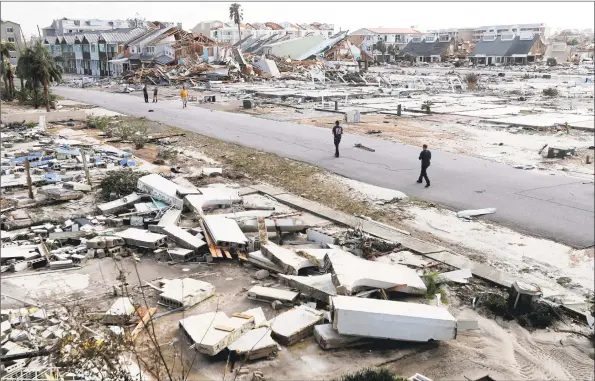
column 557, row 207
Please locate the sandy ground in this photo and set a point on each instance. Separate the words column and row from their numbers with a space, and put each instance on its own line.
column 501, row 348
column 538, row 260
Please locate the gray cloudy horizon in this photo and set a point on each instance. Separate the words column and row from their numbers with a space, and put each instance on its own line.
column 344, row 15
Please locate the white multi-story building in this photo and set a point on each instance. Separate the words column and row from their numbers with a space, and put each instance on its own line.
column 457, row 34
column 64, row 26
column 398, row 38
column 541, row 29
column 227, row 32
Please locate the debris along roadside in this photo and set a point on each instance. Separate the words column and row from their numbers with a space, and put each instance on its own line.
column 167, row 222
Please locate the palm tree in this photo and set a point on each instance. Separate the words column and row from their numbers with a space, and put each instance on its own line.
column 38, row 67
column 236, row 15
column 7, row 69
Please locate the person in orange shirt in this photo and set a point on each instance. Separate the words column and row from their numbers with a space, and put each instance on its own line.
column 184, row 96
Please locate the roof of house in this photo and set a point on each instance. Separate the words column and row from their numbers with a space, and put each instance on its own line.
column 164, row 60
column 504, row 48
column 119, row 37
column 510, row 25
column 426, row 49
column 394, row 31
column 69, row 39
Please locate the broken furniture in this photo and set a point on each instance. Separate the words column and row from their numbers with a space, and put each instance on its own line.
column 522, row 296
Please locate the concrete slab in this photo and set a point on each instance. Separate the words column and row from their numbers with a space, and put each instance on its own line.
column 142, row 238
column 287, row 259
column 387, row 319
column 270, row 294
column 296, row 324
column 329, row 338
column 354, row 222
column 404, row 258
column 259, row 319
column 545, row 120
column 457, row 276
column 212, row 332
column 119, row 204
column 182, row 237
column 477, row 269
column 160, row 188
column 120, row 312
column 258, row 259
column 184, row 292
column 320, row 287
column 225, row 231
column 315, row 256
column 255, row 344
column 54, row 116
column 492, row 113
column 352, row 274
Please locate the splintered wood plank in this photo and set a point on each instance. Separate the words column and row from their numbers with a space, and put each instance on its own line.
column 215, row 252
column 224, row 328
column 141, row 324
column 227, row 254
column 241, row 315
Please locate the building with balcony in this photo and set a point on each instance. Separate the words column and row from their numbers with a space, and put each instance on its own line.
column 394, row 39
column 71, row 26
column 536, row 29
column 227, row 32
column 11, row 32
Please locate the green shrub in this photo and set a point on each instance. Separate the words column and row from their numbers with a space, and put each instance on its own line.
column 120, row 182
column 550, row 92
column 370, row 374
column 471, row 78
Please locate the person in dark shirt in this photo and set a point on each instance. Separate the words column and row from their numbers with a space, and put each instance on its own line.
column 146, row 94
column 155, row 95
column 425, row 156
column 337, row 133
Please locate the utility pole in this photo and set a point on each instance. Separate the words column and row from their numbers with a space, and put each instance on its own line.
column 28, row 170
column 84, row 157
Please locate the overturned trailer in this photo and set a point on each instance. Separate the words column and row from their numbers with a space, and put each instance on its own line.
column 387, row 319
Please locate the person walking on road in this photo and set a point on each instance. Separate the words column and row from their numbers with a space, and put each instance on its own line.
column 337, row 133
column 184, row 96
column 425, row 156
column 146, row 94
column 155, row 95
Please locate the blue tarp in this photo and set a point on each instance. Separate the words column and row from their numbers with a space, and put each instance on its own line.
column 34, row 156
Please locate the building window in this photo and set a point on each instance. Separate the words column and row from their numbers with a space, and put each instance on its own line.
column 11, row 39
column 77, row 22
column 92, row 48
column 150, row 50
column 416, row 39
column 9, row 30
column 430, row 38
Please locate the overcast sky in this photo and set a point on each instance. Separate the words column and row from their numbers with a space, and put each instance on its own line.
column 344, row 15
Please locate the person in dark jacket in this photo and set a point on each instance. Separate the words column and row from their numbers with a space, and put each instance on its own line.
column 337, row 133
column 146, row 94
column 155, row 95
column 425, row 156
